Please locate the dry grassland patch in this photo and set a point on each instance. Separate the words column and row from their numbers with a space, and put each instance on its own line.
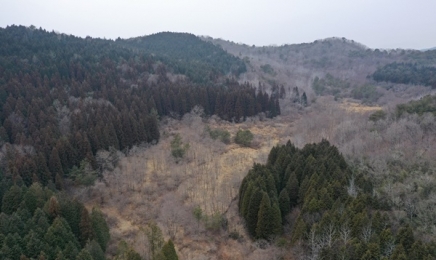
column 149, row 185
column 352, row 106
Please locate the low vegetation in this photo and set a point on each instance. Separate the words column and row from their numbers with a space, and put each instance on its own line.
column 426, row 104
column 329, row 85
column 367, row 93
column 178, row 148
column 220, row 134
column 266, row 68
column 244, row 137
column 377, row 115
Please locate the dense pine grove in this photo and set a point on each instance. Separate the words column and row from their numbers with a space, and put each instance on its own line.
column 38, row 223
column 187, row 54
column 335, row 215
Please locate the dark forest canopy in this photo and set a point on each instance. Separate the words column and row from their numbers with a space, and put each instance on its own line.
column 335, row 214
column 182, row 53
column 187, row 54
column 407, row 73
column 38, row 223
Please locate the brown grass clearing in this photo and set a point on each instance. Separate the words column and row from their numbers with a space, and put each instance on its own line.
column 352, row 106
column 149, row 184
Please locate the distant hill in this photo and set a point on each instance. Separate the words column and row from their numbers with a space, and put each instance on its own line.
column 429, row 49
column 188, row 54
column 343, row 67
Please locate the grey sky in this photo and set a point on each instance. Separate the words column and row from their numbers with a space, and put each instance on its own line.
column 376, row 24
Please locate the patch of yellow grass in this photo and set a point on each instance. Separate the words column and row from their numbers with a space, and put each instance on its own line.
column 355, row 107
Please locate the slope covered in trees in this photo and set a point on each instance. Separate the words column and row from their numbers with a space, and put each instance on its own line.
column 336, row 215
column 187, row 54
column 426, row 104
column 63, row 98
column 38, row 223
column 407, row 73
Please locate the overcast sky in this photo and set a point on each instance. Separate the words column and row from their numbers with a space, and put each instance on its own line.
column 374, row 23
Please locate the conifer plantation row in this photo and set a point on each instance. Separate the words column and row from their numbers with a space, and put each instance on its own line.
column 37, row 223
column 335, row 214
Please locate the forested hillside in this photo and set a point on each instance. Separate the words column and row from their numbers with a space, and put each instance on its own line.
column 407, row 73
column 426, row 104
column 187, row 54
column 139, row 149
column 339, row 67
column 37, row 223
column 64, row 98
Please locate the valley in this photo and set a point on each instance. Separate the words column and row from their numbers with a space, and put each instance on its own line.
column 148, row 185
column 173, row 144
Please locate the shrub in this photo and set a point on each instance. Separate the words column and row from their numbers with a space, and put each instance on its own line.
column 366, row 93
column 234, row 235
column 377, row 115
column 268, row 69
column 178, row 148
column 222, row 135
column 244, row 137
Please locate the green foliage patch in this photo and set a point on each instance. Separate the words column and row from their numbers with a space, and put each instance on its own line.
column 268, row 69
column 426, row 104
column 178, row 148
column 329, row 85
column 220, row 134
column 43, row 223
column 366, row 93
column 244, row 137
column 377, row 115
column 407, row 73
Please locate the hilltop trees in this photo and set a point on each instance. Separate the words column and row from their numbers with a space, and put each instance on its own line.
column 187, row 54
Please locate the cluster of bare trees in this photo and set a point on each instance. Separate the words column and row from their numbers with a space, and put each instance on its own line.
column 396, row 152
column 149, row 184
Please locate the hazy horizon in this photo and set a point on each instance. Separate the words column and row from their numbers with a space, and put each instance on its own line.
column 385, row 25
